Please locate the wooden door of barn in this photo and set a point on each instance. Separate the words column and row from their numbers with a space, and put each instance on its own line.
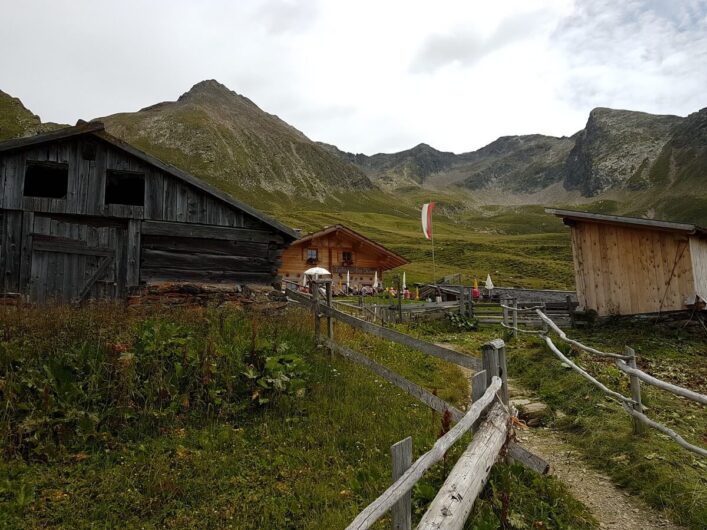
column 70, row 259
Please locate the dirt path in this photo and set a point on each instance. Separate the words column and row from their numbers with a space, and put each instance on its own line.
column 613, row 508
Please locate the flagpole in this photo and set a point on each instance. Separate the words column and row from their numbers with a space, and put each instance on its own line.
column 434, row 268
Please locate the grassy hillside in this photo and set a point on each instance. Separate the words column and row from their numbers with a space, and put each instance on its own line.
column 227, row 140
column 520, row 246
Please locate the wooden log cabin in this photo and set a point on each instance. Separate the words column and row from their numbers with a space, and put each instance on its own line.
column 627, row 266
column 86, row 215
column 339, row 250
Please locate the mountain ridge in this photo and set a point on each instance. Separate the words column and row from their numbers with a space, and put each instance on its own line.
column 627, row 161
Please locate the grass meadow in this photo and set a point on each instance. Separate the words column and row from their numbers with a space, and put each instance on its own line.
column 183, row 419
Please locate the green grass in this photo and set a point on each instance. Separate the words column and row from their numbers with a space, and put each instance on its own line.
column 650, row 465
column 171, row 450
column 521, row 247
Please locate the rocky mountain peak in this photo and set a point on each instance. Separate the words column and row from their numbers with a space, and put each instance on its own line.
column 211, row 91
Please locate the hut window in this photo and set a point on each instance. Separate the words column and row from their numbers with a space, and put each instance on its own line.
column 125, row 187
column 312, row 254
column 347, row 258
column 46, row 179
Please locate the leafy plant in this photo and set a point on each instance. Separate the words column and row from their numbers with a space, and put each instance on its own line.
column 273, row 372
column 459, row 322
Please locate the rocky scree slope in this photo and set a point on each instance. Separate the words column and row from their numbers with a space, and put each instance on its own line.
column 617, row 151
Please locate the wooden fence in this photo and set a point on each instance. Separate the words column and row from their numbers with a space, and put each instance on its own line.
column 454, row 501
column 625, row 362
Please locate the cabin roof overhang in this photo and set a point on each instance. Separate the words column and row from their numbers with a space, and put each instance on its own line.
column 571, row 216
column 97, row 129
column 393, row 259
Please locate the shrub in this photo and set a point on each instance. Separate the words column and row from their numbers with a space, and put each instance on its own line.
column 86, row 377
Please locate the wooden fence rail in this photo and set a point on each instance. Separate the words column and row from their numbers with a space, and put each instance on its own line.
column 453, row 503
column 627, row 364
column 395, row 336
column 407, row 481
column 488, row 385
column 675, row 389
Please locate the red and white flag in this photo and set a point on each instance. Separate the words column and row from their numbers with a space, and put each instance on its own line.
column 427, row 219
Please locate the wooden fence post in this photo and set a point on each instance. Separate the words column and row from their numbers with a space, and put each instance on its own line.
column 478, row 389
column 515, row 318
column 544, row 310
column 401, row 455
column 314, row 288
column 505, row 302
column 478, row 385
column 494, row 362
column 329, row 303
column 462, row 301
column 638, row 426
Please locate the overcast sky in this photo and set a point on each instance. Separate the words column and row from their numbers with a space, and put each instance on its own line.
column 368, row 76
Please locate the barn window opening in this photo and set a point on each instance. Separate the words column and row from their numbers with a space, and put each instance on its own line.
column 312, row 257
column 46, row 179
column 125, row 187
column 347, row 258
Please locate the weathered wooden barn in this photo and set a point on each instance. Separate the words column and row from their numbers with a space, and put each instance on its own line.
column 626, row 266
column 85, row 215
column 340, row 250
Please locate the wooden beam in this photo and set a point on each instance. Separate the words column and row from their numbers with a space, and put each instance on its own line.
column 374, row 511
column 406, row 340
column 100, row 271
column 69, row 246
column 166, row 228
column 451, row 507
column 428, row 398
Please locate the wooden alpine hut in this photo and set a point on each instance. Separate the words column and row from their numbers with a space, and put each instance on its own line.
column 86, row 215
column 343, row 252
column 627, row 266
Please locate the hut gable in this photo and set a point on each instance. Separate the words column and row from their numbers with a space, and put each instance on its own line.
column 626, row 266
column 339, row 249
column 84, row 214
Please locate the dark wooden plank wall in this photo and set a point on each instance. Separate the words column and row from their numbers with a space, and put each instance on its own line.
column 208, row 260
column 62, row 276
column 189, row 234
column 10, row 244
column 166, row 197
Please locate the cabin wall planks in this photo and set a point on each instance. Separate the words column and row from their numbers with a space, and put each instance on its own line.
column 622, row 270
column 76, row 246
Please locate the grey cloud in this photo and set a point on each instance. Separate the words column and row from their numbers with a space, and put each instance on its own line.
column 644, row 54
column 466, row 48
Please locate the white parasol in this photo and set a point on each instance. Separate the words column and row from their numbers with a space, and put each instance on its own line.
column 375, row 280
column 405, row 285
column 317, row 272
column 348, row 280
column 489, row 283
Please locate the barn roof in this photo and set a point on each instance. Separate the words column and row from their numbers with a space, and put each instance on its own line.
column 97, row 129
column 684, row 228
column 396, row 259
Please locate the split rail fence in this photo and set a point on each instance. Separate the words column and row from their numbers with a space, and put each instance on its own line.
column 488, row 416
column 625, row 362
